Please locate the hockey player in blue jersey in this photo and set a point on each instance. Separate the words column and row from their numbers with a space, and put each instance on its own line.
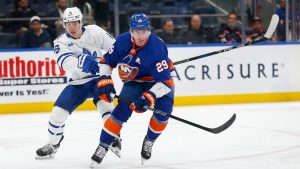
column 141, row 59
column 76, row 52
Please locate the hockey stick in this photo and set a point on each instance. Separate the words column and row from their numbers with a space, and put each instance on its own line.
column 211, row 130
column 267, row 35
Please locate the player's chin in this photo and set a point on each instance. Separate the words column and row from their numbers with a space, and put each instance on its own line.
column 141, row 43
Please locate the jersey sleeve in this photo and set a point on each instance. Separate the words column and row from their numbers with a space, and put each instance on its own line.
column 113, row 55
column 161, row 72
column 161, row 68
column 106, row 39
column 65, row 58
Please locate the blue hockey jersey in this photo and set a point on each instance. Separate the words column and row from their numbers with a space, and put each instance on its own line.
column 147, row 63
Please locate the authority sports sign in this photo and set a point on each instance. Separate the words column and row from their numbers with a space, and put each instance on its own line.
column 30, row 76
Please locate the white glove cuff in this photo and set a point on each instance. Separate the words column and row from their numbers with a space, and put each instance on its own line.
column 105, row 70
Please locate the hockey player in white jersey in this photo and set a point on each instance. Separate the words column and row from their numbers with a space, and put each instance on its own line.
column 77, row 52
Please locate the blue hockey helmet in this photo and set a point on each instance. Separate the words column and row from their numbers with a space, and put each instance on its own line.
column 139, row 21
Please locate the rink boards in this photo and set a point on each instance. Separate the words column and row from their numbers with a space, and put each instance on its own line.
column 30, row 80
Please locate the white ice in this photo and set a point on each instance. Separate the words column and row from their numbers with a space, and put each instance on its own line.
column 264, row 136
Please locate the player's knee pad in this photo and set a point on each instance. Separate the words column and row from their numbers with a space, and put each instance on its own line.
column 122, row 112
column 57, row 124
column 156, row 125
column 105, row 109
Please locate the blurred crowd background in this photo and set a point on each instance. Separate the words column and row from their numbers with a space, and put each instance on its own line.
column 36, row 23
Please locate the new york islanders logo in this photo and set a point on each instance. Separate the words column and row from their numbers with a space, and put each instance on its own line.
column 127, row 72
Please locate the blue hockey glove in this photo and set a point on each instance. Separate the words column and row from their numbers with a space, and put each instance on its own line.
column 105, row 88
column 146, row 100
column 89, row 63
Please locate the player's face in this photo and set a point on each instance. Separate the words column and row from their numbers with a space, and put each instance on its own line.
column 74, row 28
column 140, row 37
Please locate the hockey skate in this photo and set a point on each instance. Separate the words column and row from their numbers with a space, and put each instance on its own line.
column 116, row 146
column 48, row 150
column 146, row 149
column 98, row 156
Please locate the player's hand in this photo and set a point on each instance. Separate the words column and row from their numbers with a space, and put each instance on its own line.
column 146, row 100
column 88, row 63
column 105, row 88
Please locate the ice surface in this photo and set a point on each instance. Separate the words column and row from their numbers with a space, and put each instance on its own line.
column 264, row 136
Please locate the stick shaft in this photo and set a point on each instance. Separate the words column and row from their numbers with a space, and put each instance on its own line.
column 218, row 51
column 211, row 130
column 267, row 35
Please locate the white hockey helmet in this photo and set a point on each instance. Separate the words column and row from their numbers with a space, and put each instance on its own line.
column 72, row 14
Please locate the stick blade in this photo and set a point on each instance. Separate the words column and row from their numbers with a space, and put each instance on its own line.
column 224, row 126
column 272, row 26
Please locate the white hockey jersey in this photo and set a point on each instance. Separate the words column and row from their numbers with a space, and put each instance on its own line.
column 68, row 49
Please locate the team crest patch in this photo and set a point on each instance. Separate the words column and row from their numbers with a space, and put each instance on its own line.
column 127, row 72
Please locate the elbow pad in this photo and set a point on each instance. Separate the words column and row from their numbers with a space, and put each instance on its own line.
column 160, row 89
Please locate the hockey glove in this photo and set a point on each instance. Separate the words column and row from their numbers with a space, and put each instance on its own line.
column 105, row 88
column 146, row 100
column 88, row 63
